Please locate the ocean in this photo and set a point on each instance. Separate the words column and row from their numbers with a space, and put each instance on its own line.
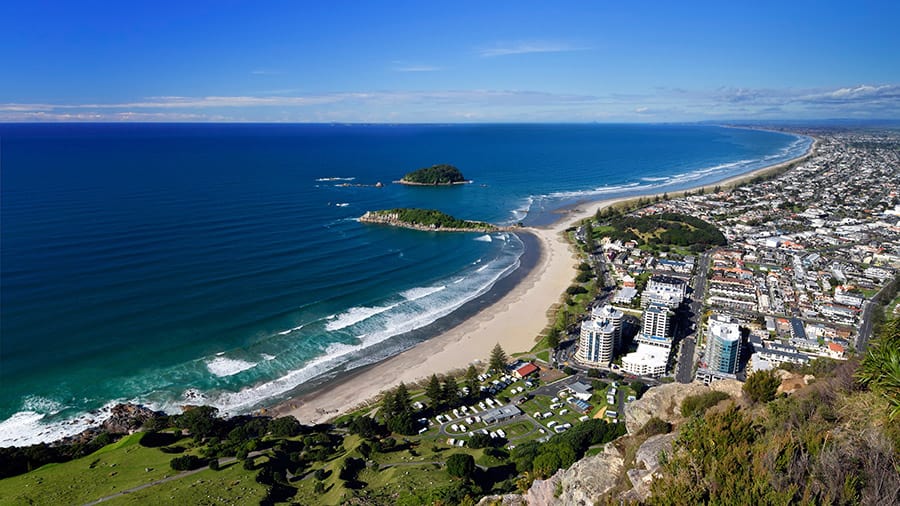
column 173, row 264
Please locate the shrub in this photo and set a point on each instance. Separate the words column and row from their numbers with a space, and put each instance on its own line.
column 575, row 290
column 186, row 463
column 461, row 465
column 655, row 426
column 762, row 386
column 698, row 404
column 285, row 426
column 479, row 440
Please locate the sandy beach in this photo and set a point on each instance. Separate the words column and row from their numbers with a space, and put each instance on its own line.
column 514, row 321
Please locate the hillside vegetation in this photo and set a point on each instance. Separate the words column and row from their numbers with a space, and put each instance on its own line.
column 832, row 442
column 441, row 174
column 424, row 218
column 663, row 229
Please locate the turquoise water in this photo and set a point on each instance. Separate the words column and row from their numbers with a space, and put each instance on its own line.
column 173, row 264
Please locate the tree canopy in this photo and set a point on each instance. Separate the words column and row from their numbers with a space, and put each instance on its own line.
column 435, row 175
column 497, row 362
column 762, row 386
column 461, row 465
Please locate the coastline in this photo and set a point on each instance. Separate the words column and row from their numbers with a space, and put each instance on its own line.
column 514, row 321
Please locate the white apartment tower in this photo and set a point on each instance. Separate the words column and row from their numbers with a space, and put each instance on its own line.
column 601, row 336
column 657, row 321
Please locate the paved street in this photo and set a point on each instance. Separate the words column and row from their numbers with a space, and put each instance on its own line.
column 684, row 371
column 685, row 368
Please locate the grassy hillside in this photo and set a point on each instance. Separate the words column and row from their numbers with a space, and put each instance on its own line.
column 666, row 229
column 121, row 466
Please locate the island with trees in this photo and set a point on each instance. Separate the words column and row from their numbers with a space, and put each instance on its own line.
column 425, row 219
column 436, row 175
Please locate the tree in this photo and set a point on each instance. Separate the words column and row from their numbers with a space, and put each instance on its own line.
column 398, row 413
column 366, row 427
column 286, row 426
column 639, row 388
column 186, row 463
column 433, row 390
column 588, row 237
column 762, row 386
column 553, row 337
column 199, row 420
column 472, row 380
column 880, row 369
column 497, row 362
column 461, row 465
column 450, row 391
column 480, row 440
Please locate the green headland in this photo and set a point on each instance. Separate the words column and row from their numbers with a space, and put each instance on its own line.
column 436, row 175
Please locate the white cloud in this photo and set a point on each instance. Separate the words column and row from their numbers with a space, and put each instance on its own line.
column 528, row 48
column 484, row 105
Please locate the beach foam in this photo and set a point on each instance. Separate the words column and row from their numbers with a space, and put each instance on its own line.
column 418, row 293
column 28, row 427
column 355, row 315
column 222, row 366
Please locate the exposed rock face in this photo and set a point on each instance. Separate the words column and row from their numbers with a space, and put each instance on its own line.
column 665, row 401
column 503, row 500
column 647, row 456
column 582, row 484
column 790, row 382
column 126, row 418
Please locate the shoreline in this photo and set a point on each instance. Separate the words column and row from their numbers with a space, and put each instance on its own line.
column 515, row 321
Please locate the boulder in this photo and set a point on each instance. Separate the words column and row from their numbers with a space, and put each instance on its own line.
column 127, row 418
column 663, row 401
column 503, row 500
column 583, row 484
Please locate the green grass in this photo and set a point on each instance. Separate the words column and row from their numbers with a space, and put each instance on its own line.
column 113, row 468
column 541, row 345
column 543, row 356
column 517, row 429
column 230, row 485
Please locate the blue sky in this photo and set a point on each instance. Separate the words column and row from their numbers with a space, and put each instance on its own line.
column 494, row 61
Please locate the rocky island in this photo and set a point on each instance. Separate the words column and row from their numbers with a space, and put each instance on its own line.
column 425, row 219
column 436, row 175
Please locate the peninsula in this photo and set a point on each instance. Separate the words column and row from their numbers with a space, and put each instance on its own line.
column 436, row 175
column 426, row 220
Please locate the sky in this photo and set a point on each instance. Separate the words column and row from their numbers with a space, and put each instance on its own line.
column 460, row 61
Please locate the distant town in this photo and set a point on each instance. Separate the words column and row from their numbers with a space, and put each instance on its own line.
column 809, row 251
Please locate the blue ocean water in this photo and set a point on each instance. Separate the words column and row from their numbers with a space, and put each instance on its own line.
column 174, row 264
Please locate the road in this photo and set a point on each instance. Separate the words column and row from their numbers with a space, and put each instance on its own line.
column 684, row 371
column 865, row 328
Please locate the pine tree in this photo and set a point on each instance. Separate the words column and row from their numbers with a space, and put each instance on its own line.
column 402, row 402
column 588, row 237
column 450, row 391
column 498, row 359
column 433, row 390
column 472, row 380
column 553, row 337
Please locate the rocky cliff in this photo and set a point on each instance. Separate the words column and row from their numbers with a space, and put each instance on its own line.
column 592, row 478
